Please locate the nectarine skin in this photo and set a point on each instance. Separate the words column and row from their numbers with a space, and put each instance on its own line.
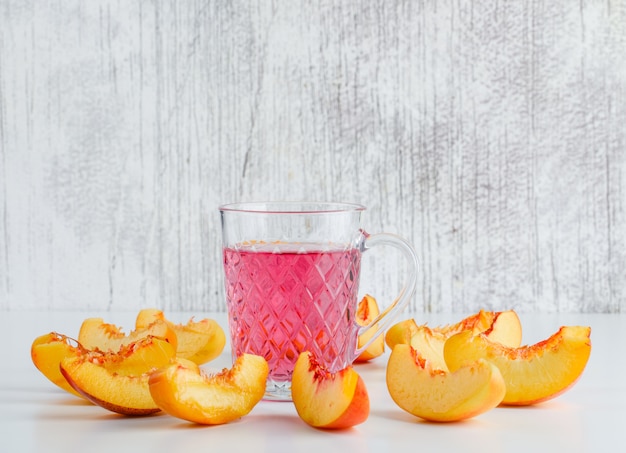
column 328, row 400
column 357, row 412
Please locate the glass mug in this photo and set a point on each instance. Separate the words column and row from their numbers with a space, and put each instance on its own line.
column 291, row 283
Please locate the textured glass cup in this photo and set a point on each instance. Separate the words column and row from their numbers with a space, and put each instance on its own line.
column 291, row 276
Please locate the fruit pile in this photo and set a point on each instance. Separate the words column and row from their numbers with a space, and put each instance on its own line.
column 156, row 367
column 443, row 374
column 446, row 373
column 458, row 371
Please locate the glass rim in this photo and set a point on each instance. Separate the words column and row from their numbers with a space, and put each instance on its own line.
column 291, row 207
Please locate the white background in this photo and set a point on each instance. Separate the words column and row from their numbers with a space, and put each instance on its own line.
column 492, row 135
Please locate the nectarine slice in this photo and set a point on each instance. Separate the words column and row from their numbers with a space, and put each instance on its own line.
column 47, row 352
column 429, row 343
column 199, row 341
column 437, row 395
column 505, row 328
column 400, row 333
column 139, row 357
column 328, row 400
column 501, row 326
column 533, row 373
column 367, row 311
column 119, row 381
column 94, row 333
column 184, row 391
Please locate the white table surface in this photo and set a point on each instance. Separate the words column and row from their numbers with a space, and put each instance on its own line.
column 35, row 416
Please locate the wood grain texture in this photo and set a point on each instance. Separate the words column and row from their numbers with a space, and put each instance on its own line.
column 492, row 136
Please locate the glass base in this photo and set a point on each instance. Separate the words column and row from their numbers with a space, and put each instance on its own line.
column 277, row 391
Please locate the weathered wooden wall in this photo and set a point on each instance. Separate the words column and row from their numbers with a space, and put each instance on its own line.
column 490, row 134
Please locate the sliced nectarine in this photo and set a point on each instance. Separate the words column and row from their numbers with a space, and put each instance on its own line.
column 501, row 326
column 328, row 400
column 199, row 341
column 47, row 352
column 505, row 328
column 533, row 373
column 119, row 381
column 139, row 357
column 478, row 322
column 429, row 343
column 182, row 390
column 94, row 333
column 400, row 333
column 367, row 311
column 437, row 395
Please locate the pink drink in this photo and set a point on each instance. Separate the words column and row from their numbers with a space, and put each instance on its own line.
column 282, row 302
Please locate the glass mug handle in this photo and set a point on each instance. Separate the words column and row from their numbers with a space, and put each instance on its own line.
column 389, row 314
